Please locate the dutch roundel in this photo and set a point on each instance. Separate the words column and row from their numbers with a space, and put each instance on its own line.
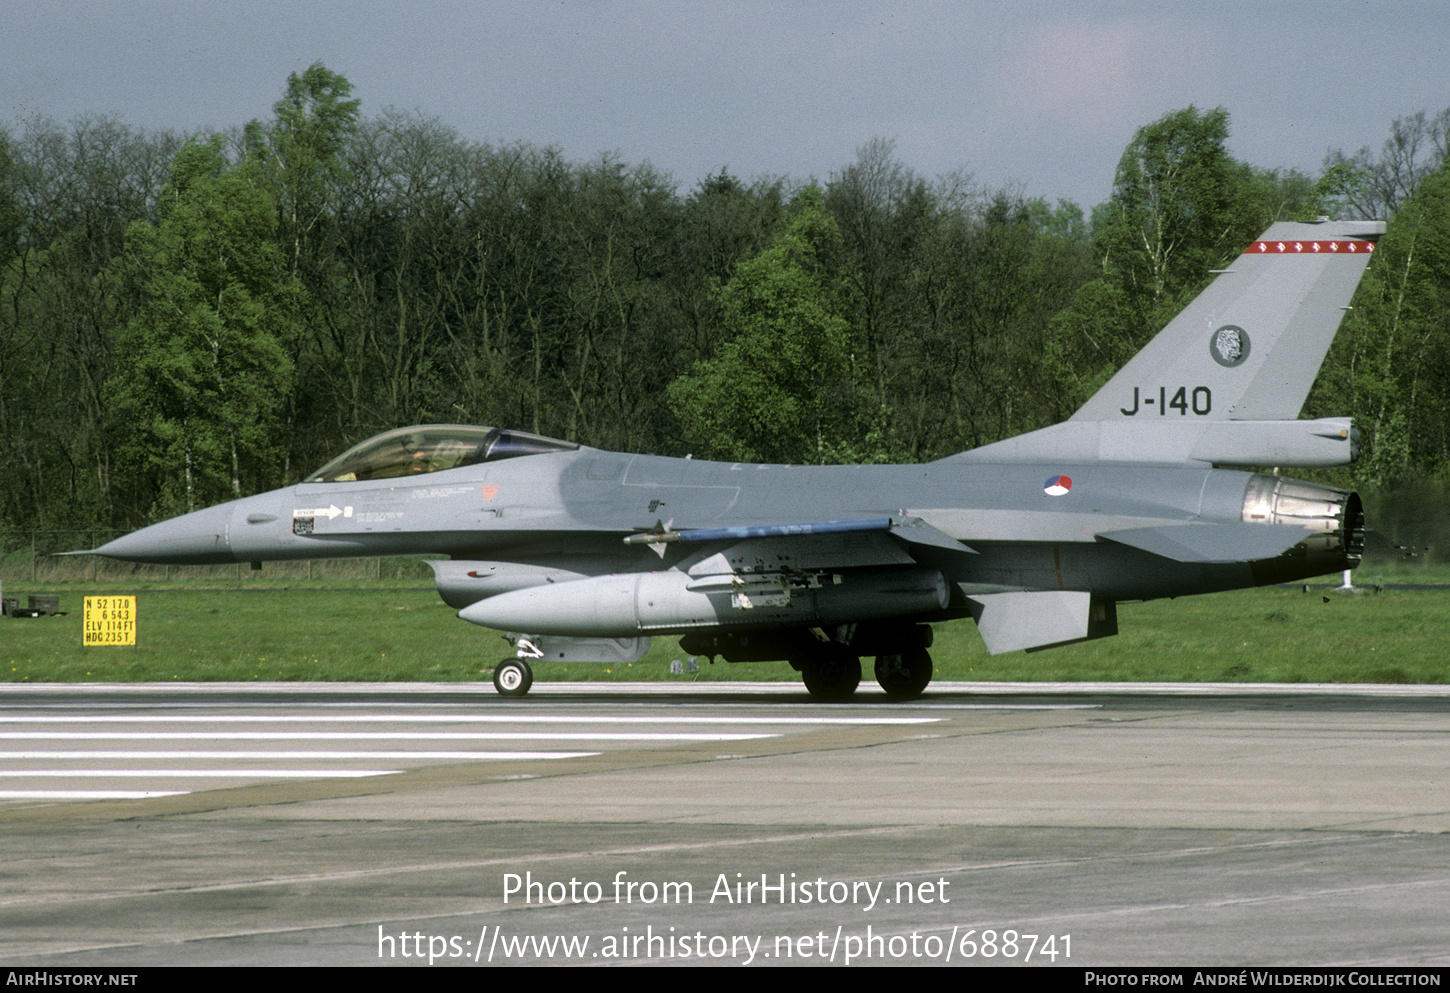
column 1057, row 485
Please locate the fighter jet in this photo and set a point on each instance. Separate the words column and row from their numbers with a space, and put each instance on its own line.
column 581, row 554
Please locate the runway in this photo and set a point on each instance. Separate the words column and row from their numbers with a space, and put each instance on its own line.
column 339, row 824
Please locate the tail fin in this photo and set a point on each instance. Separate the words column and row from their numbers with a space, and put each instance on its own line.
column 1225, row 380
column 1249, row 346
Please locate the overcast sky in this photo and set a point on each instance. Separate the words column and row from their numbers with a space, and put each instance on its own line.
column 1040, row 93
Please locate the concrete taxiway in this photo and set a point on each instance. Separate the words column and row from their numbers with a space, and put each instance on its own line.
column 1203, row 825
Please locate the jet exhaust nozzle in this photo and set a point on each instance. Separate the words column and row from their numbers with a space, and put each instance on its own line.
column 1333, row 517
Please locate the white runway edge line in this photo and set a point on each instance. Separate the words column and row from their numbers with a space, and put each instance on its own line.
column 442, row 719
column 367, row 736
column 488, row 756
column 197, row 773
column 88, row 794
column 688, row 691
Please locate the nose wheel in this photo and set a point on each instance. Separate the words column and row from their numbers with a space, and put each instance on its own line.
column 512, row 677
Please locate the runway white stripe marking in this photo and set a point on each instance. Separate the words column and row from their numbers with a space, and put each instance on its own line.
column 367, row 736
column 1011, row 706
column 464, row 718
column 87, row 794
column 489, row 756
column 198, row 773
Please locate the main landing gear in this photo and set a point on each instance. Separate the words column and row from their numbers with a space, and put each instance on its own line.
column 830, row 669
column 513, row 677
column 832, row 672
column 904, row 676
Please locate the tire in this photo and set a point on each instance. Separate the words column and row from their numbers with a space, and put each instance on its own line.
column 512, row 677
column 831, row 675
column 904, row 676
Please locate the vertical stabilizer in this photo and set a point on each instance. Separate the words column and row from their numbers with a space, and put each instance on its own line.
column 1248, row 347
column 1224, row 382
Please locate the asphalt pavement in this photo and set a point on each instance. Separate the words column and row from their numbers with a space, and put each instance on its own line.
column 342, row 824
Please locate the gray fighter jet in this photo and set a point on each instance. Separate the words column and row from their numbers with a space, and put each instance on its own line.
column 584, row 555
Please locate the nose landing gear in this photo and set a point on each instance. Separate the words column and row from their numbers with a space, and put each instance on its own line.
column 513, row 677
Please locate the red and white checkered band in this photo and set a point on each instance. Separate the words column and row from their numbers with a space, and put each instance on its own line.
column 1310, row 248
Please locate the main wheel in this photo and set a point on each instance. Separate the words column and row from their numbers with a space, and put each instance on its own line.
column 831, row 674
column 904, row 676
column 512, row 677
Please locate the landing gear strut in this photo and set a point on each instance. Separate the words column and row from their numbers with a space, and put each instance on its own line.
column 513, row 677
column 904, row 676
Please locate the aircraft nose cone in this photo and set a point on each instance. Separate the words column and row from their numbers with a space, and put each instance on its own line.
column 199, row 538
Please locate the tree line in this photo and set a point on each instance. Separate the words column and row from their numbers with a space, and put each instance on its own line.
column 189, row 318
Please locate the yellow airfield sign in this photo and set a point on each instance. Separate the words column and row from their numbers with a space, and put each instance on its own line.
column 110, row 620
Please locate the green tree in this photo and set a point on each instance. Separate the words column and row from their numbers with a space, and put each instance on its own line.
column 1171, row 210
column 1390, row 365
column 1376, row 188
column 986, row 279
column 303, row 151
column 884, row 213
column 779, row 389
column 203, row 367
column 76, row 188
column 1181, row 207
column 723, row 221
column 11, row 216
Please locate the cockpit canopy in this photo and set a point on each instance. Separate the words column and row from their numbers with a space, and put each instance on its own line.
column 432, row 448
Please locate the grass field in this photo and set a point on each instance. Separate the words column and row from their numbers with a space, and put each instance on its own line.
column 240, row 628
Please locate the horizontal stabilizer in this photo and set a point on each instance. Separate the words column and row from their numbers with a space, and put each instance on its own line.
column 1233, row 542
column 1008, row 622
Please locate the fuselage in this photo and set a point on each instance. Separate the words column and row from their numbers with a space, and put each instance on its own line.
column 1036, row 537
column 561, row 515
